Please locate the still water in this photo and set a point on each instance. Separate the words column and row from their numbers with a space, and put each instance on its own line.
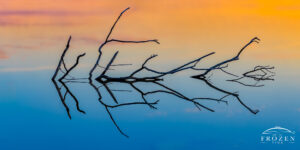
column 33, row 116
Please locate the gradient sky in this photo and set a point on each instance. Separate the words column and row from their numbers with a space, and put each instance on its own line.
column 191, row 28
column 33, row 34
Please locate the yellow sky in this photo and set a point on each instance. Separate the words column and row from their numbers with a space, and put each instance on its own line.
column 185, row 28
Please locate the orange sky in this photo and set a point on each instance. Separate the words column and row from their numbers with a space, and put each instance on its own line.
column 187, row 28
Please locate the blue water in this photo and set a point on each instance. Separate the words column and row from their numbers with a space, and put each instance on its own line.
column 33, row 118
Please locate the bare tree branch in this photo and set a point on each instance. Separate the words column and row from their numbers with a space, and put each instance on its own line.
column 114, row 40
column 255, row 39
column 63, row 97
column 76, row 63
column 131, row 77
column 258, row 74
column 109, row 64
column 61, row 59
column 123, row 41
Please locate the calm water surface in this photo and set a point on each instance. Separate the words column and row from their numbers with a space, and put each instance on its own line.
column 33, row 117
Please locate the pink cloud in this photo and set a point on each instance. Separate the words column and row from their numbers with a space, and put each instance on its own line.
column 41, row 13
column 18, row 23
column 3, row 55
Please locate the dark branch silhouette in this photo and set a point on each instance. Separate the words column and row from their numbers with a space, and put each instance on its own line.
column 62, row 59
column 258, row 74
column 165, row 89
column 235, row 58
column 107, row 40
column 108, row 107
column 65, row 74
column 190, row 65
column 69, row 70
column 131, row 77
column 63, row 81
column 62, row 98
column 218, row 65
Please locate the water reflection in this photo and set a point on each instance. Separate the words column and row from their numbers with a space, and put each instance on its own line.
column 156, row 87
column 155, row 83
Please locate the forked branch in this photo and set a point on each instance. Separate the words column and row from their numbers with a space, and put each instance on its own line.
column 65, row 74
column 218, row 65
column 258, row 74
column 108, row 40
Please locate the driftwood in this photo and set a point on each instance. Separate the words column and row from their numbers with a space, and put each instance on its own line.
column 258, row 74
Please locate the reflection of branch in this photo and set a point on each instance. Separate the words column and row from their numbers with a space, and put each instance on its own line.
column 143, row 96
column 110, row 93
column 107, row 107
column 259, row 77
column 132, row 78
column 178, row 94
column 167, row 90
column 219, row 65
column 232, row 94
column 72, row 95
column 107, row 40
column 66, row 73
column 62, row 98
column 259, row 73
column 133, row 103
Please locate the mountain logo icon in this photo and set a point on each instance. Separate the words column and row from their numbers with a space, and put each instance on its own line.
column 278, row 130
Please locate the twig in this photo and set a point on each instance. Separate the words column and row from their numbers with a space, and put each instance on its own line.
column 61, row 59
column 255, row 39
column 114, row 40
column 253, row 74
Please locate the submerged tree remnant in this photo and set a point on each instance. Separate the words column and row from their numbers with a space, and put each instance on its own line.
column 258, row 74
